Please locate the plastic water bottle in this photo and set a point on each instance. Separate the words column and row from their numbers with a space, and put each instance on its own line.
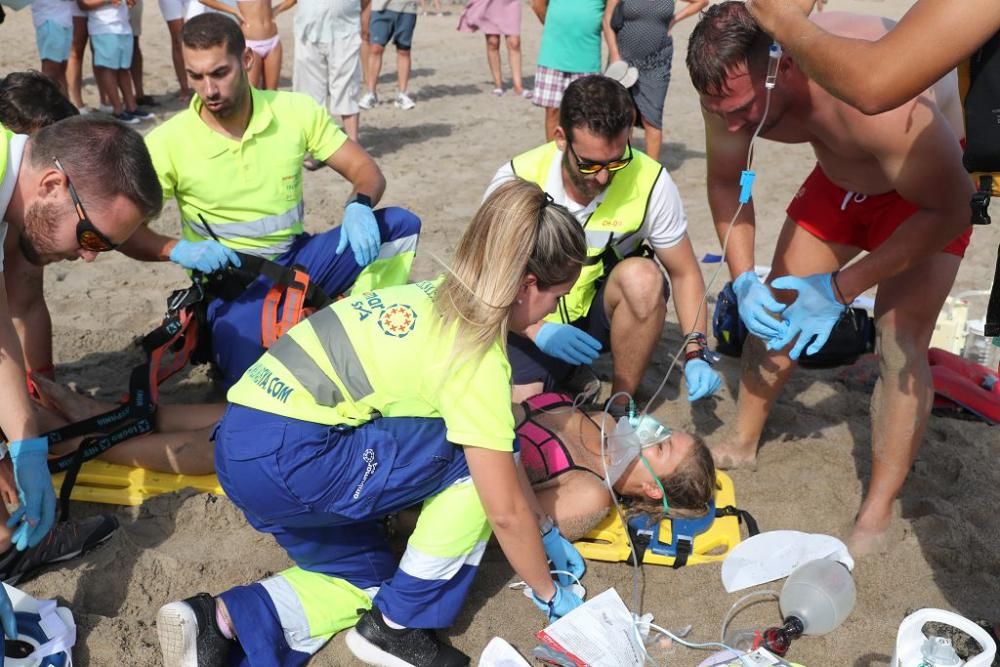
column 819, row 593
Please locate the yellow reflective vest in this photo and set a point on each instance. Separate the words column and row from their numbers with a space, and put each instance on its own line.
column 620, row 215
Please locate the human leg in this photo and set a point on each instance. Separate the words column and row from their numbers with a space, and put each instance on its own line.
column 906, row 308
column 380, row 29
column 55, row 71
column 764, row 373
column 654, row 138
column 514, row 59
column 174, row 26
column 343, row 82
column 403, row 65
column 136, row 71
column 635, row 303
column 272, row 67
column 74, row 66
column 493, row 60
column 107, row 84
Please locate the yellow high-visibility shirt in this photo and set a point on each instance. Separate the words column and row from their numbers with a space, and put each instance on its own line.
column 248, row 191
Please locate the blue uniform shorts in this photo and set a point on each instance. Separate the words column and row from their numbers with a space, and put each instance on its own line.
column 397, row 26
column 235, row 325
column 112, row 51
column 53, row 41
column 321, row 490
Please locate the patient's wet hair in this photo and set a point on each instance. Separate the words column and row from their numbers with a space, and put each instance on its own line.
column 689, row 488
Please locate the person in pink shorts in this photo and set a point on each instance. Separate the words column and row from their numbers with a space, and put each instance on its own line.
column 495, row 18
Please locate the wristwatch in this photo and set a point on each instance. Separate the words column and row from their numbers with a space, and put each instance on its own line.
column 546, row 525
column 359, row 198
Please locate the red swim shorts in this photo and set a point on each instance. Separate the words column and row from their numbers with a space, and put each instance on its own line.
column 831, row 213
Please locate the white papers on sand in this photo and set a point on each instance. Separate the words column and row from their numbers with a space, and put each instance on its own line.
column 599, row 633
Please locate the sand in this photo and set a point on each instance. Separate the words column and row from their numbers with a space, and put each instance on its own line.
column 438, row 158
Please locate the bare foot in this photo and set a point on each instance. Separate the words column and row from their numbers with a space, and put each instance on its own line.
column 728, row 457
column 73, row 406
column 872, row 538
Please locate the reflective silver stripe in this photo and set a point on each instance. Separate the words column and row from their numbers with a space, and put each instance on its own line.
column 292, row 616
column 398, row 247
column 342, row 355
column 598, row 239
column 251, row 229
column 308, row 373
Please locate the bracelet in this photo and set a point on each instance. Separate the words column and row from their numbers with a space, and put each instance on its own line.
column 694, row 354
column 836, row 286
column 696, row 337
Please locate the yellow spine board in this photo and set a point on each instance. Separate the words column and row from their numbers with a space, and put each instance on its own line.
column 609, row 540
column 100, row 482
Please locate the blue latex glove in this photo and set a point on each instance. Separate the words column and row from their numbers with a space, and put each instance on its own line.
column 702, row 380
column 562, row 603
column 360, row 230
column 204, row 256
column 755, row 300
column 564, row 556
column 811, row 316
column 37, row 511
column 566, row 342
column 7, row 618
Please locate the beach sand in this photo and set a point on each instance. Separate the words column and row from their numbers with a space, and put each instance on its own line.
column 815, row 459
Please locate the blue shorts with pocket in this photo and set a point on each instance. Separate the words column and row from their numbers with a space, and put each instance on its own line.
column 53, row 41
column 112, row 51
column 397, row 26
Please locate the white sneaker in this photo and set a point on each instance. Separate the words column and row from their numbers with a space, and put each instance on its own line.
column 105, row 108
column 404, row 102
column 368, row 100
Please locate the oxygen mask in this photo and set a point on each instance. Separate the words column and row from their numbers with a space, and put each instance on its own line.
column 630, row 436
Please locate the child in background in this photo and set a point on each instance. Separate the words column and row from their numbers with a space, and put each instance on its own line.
column 53, row 21
column 111, row 40
column 256, row 19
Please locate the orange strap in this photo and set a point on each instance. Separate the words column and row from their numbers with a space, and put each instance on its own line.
column 291, row 300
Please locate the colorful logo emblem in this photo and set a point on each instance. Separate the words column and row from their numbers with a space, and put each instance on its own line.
column 397, row 320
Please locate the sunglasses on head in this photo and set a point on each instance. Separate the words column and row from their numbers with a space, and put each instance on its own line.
column 88, row 236
column 589, row 168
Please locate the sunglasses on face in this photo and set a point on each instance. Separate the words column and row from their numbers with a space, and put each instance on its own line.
column 88, row 236
column 589, row 168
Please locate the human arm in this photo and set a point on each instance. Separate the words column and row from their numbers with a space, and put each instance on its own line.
column 540, row 7
column 357, row 167
column 510, row 513
column 609, row 34
column 28, row 310
column 27, row 451
column 910, row 57
column 17, row 421
column 283, row 6
column 576, row 501
column 727, row 155
column 232, row 10
column 691, row 8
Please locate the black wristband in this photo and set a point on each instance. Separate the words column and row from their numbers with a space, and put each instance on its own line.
column 359, row 198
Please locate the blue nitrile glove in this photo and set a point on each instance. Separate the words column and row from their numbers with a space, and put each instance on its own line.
column 563, row 555
column 7, row 618
column 37, row 512
column 755, row 300
column 702, row 380
column 811, row 316
column 566, row 342
column 562, row 603
column 204, row 256
column 360, row 230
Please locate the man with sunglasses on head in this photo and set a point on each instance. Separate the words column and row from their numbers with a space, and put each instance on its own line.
column 233, row 160
column 113, row 173
column 628, row 205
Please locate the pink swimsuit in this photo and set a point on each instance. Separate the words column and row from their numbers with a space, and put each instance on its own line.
column 543, row 454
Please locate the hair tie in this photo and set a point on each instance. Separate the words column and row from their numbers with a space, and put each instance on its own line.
column 545, row 202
